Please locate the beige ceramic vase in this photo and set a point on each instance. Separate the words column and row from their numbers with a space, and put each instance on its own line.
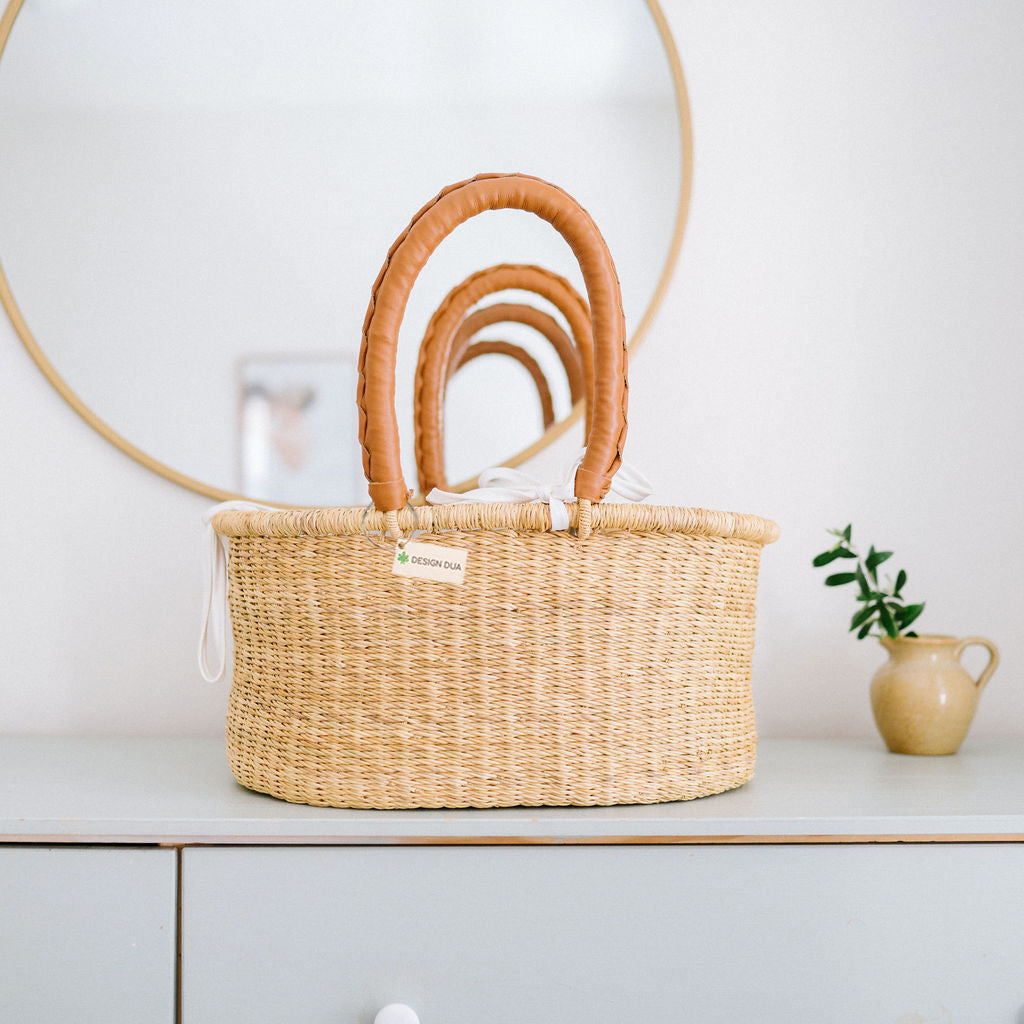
column 922, row 697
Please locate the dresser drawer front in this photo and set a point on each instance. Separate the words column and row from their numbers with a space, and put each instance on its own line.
column 87, row 935
column 623, row 935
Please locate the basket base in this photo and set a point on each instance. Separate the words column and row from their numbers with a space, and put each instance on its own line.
column 355, row 790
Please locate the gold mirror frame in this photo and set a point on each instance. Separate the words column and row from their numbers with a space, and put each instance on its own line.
column 550, row 435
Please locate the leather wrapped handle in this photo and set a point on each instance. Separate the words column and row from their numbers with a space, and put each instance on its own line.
column 375, row 390
column 430, row 397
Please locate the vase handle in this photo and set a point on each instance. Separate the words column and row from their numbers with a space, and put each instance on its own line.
column 993, row 657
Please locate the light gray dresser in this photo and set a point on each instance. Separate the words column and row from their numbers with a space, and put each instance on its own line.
column 844, row 885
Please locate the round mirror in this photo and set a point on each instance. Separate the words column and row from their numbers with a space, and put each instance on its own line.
column 195, row 200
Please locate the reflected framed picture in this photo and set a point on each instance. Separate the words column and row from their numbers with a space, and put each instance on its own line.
column 297, row 429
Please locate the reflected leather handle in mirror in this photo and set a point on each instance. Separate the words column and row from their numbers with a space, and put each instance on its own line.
column 446, row 321
column 441, row 357
column 375, row 391
column 520, row 355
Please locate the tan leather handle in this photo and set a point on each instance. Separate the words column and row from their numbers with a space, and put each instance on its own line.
column 375, row 391
column 433, row 380
column 520, row 355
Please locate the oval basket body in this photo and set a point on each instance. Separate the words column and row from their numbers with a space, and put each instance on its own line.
column 610, row 665
column 612, row 671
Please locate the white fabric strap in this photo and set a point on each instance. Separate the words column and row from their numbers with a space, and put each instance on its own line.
column 215, row 635
column 513, row 485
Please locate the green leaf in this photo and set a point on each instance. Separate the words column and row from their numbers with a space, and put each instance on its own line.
column 886, row 620
column 861, row 617
column 901, row 579
column 837, row 579
column 865, row 590
column 848, row 533
column 865, row 629
column 907, row 615
column 876, row 558
column 831, row 555
column 869, row 565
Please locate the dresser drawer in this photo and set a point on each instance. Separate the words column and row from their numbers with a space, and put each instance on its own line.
column 616, row 934
column 87, row 935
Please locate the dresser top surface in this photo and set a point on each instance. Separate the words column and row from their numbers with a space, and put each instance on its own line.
column 180, row 791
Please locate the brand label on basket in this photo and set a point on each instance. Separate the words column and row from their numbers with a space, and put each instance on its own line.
column 430, row 562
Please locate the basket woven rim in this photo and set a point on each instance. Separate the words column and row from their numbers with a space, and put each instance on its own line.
column 472, row 516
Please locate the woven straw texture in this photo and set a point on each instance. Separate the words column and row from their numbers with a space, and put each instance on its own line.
column 610, row 670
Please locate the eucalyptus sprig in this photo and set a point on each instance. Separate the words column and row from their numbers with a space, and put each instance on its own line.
column 882, row 605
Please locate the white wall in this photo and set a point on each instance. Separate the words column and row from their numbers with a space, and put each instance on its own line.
column 840, row 343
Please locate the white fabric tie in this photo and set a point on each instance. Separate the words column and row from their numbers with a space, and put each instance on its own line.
column 502, row 484
column 215, row 636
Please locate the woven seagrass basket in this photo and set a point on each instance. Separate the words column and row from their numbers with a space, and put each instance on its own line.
column 608, row 663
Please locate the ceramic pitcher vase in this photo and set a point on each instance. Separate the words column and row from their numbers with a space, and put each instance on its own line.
column 922, row 697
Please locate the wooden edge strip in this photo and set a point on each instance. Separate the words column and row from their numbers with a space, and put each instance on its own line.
column 843, row 839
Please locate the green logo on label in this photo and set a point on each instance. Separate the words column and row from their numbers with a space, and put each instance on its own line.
column 403, row 557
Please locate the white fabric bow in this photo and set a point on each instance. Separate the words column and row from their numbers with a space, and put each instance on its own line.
column 513, row 485
column 214, row 635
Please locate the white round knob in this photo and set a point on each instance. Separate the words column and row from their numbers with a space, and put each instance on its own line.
column 396, row 1013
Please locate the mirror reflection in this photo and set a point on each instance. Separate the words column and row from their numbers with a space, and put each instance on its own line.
column 196, row 199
